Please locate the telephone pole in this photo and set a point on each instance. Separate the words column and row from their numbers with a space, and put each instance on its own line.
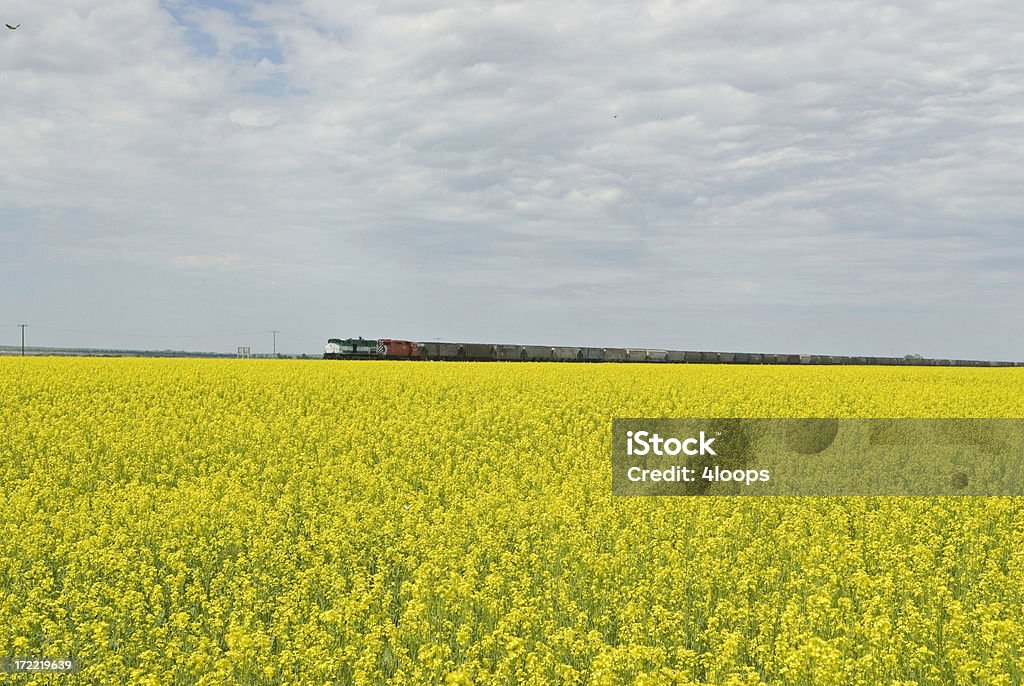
column 23, row 338
column 275, row 332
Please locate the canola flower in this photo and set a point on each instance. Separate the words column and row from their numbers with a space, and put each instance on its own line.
column 288, row 522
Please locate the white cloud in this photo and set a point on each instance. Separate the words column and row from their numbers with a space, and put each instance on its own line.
column 845, row 155
column 254, row 117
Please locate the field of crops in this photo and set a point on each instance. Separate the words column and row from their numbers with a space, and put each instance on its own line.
column 291, row 522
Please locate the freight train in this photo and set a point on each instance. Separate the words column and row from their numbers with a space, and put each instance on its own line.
column 392, row 349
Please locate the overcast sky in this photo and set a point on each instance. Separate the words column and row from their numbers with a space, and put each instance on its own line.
column 820, row 177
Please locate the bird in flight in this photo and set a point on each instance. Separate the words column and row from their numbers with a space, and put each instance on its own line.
column 11, row 27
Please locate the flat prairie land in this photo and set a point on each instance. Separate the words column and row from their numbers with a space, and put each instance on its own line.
column 170, row 521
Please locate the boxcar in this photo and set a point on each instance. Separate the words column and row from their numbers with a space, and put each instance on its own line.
column 636, row 354
column 441, row 351
column 509, row 352
column 538, row 353
column 562, row 353
column 614, row 354
column 481, row 352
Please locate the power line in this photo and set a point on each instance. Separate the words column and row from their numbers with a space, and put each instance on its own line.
column 145, row 335
column 290, row 335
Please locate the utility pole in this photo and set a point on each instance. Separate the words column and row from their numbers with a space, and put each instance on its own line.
column 23, row 338
column 275, row 332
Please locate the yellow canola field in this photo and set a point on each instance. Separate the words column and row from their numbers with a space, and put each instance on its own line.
column 317, row 522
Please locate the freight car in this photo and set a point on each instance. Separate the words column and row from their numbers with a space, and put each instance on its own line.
column 393, row 349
